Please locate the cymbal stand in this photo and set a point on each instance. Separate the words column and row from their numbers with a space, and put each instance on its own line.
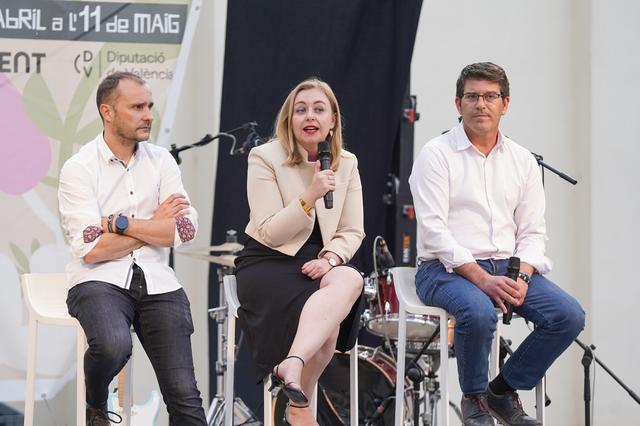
column 219, row 314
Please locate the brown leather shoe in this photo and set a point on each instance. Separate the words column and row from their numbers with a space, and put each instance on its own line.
column 508, row 409
column 99, row 417
column 475, row 411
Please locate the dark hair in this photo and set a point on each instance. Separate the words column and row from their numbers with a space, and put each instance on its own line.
column 483, row 71
column 110, row 84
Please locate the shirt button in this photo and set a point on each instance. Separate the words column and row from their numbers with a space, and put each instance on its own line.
column 133, row 215
column 130, row 192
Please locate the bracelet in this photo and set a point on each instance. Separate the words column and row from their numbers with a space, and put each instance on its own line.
column 526, row 278
column 306, row 207
column 109, row 225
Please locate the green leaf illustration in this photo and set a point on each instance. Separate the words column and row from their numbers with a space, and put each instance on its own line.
column 40, row 106
column 35, row 245
column 50, row 181
column 22, row 261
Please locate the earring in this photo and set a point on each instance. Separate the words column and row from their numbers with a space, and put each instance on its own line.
column 330, row 133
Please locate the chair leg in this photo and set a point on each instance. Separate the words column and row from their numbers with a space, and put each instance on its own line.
column 402, row 349
column 494, row 358
column 230, row 365
column 81, row 392
column 31, row 373
column 540, row 399
column 353, row 384
column 128, row 392
column 267, row 402
column 444, row 367
column 314, row 402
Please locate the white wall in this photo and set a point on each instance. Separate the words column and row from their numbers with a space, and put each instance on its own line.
column 615, row 205
column 559, row 56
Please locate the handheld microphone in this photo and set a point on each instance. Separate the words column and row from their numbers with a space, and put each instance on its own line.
column 324, row 155
column 513, row 268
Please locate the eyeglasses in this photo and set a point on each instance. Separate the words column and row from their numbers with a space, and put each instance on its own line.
column 489, row 97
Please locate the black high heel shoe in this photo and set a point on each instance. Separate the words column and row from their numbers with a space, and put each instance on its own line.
column 296, row 396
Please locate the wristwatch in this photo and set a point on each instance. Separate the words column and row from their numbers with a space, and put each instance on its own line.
column 332, row 261
column 526, row 278
column 122, row 223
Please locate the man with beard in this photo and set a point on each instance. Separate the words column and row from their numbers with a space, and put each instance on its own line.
column 123, row 205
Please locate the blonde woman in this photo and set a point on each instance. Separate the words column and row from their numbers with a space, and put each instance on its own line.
column 300, row 299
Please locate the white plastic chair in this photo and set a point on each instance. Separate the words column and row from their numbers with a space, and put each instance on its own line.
column 233, row 304
column 45, row 297
column 409, row 303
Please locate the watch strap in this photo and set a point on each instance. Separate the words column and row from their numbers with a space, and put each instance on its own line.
column 525, row 277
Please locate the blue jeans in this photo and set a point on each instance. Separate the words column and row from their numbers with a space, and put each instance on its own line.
column 163, row 325
column 557, row 316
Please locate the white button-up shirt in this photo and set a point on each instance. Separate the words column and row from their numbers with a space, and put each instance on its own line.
column 95, row 184
column 470, row 207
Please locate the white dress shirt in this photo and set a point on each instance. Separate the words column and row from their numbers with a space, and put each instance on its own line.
column 95, row 184
column 470, row 206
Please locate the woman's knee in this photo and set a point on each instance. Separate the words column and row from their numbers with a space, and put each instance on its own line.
column 351, row 280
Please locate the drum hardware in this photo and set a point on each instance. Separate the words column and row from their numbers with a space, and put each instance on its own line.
column 225, row 259
column 417, row 372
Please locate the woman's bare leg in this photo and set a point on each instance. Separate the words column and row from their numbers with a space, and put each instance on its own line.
column 318, row 324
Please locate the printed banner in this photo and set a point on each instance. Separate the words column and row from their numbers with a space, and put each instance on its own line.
column 53, row 54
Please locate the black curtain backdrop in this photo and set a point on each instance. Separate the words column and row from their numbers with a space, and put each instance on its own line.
column 363, row 49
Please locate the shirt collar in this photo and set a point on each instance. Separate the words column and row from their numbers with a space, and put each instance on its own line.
column 461, row 140
column 107, row 155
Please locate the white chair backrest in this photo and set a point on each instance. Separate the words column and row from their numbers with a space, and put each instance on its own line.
column 404, row 280
column 231, row 294
column 46, row 294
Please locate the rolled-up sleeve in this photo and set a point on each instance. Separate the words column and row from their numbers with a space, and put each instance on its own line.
column 530, row 223
column 429, row 183
column 79, row 210
column 186, row 227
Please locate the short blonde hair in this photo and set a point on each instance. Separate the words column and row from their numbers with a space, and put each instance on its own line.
column 284, row 133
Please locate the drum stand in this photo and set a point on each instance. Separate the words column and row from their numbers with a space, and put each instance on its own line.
column 215, row 413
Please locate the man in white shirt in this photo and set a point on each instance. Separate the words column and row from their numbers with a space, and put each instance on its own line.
column 479, row 200
column 123, row 205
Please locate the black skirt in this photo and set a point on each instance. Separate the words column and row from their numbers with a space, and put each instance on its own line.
column 272, row 292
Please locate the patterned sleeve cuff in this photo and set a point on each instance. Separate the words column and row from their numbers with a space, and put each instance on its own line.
column 90, row 233
column 186, row 230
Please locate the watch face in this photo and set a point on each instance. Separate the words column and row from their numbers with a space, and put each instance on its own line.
column 332, row 261
column 121, row 223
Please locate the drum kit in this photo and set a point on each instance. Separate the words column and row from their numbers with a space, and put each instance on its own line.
column 376, row 365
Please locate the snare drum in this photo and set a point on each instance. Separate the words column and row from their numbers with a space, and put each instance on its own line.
column 383, row 317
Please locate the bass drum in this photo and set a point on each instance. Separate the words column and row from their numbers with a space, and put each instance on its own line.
column 376, row 378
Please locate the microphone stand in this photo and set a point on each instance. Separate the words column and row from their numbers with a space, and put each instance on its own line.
column 207, row 139
column 587, row 358
column 544, row 165
column 176, row 150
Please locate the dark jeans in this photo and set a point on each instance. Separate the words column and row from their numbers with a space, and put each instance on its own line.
column 558, row 319
column 163, row 325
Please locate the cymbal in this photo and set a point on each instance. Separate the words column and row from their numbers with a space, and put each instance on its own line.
column 223, row 260
column 227, row 247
